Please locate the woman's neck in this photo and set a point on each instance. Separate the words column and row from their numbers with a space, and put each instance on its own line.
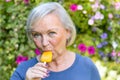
column 63, row 62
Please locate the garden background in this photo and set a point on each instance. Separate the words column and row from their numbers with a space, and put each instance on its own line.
column 98, row 34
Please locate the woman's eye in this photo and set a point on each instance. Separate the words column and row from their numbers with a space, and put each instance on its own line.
column 52, row 33
column 36, row 35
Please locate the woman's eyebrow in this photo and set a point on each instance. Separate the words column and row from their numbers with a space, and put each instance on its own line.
column 53, row 29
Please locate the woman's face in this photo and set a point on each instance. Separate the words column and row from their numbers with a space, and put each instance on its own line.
column 49, row 34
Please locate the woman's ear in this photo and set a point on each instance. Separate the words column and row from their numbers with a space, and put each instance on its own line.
column 68, row 34
column 68, row 37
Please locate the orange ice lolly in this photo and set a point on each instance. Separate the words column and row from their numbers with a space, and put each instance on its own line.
column 46, row 57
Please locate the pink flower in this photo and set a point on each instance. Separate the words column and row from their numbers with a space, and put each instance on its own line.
column 102, row 6
column 82, row 47
column 117, row 5
column 95, row 6
column 26, row 1
column 91, row 50
column 73, row 7
column 37, row 51
column 110, row 15
column 21, row 58
column 119, row 54
column 8, row 0
column 113, row 53
column 98, row 15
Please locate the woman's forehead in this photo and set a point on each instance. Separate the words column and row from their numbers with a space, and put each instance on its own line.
column 49, row 21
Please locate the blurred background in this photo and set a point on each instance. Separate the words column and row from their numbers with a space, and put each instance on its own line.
column 98, row 34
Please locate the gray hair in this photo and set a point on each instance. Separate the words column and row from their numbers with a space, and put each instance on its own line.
column 52, row 7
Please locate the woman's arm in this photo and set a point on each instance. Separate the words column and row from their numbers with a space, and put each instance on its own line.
column 16, row 76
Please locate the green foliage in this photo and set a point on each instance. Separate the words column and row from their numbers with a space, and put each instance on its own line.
column 13, row 39
column 14, row 42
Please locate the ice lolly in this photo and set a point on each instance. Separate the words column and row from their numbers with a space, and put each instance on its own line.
column 46, row 57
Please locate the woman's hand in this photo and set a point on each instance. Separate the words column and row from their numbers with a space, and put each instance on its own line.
column 36, row 72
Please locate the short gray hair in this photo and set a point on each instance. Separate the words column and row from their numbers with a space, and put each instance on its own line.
column 52, row 7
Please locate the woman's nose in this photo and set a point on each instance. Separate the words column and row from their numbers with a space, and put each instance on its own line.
column 45, row 41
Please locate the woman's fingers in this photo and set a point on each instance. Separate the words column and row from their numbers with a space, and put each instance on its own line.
column 42, row 72
column 40, row 68
column 41, row 64
column 38, row 71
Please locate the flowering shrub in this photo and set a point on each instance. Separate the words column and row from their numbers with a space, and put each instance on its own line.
column 100, row 20
column 21, row 58
column 37, row 51
column 97, row 23
column 83, row 48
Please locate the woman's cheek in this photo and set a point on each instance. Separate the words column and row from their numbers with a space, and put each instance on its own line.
column 37, row 43
column 53, row 43
column 56, row 43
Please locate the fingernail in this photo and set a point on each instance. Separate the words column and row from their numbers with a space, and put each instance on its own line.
column 47, row 75
column 44, row 76
column 48, row 71
column 46, row 64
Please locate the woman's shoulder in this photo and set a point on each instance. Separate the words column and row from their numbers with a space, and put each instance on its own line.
column 22, row 68
column 86, row 61
column 89, row 65
column 26, row 64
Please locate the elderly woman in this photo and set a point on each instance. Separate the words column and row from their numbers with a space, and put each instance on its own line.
column 51, row 29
